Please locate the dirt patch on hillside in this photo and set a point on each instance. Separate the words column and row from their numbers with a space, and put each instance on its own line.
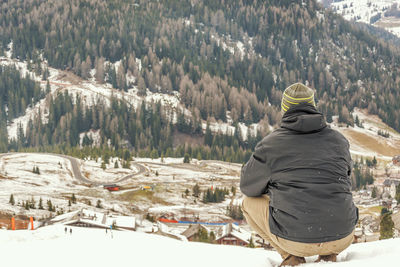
column 372, row 144
column 182, row 138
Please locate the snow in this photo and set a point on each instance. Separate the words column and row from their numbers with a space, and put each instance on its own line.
column 50, row 246
column 227, row 128
column 94, row 134
column 9, row 50
column 93, row 171
column 24, row 184
column 364, row 10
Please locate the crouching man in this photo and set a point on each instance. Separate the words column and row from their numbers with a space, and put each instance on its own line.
column 297, row 184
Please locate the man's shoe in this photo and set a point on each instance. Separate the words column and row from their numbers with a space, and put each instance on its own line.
column 331, row 258
column 292, row 260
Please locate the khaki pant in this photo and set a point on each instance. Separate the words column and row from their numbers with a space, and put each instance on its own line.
column 256, row 211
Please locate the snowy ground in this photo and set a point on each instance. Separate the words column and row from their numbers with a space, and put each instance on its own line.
column 50, row 246
column 365, row 142
column 56, row 182
column 92, row 170
column 168, row 180
column 364, row 10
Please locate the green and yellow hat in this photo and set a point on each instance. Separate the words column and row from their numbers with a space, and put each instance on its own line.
column 296, row 94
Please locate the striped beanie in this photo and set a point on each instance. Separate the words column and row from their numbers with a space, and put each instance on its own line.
column 296, row 94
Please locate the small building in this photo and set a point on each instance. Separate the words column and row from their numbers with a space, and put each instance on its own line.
column 192, row 232
column 396, row 160
column 112, row 187
column 93, row 219
column 231, row 234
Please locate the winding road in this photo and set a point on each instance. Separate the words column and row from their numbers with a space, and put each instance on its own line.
column 77, row 171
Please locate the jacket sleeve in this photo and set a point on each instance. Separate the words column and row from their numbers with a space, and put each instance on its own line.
column 254, row 175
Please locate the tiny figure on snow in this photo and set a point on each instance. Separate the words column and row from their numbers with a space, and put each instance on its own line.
column 65, row 229
column 70, row 231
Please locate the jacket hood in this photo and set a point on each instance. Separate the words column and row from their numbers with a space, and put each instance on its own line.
column 303, row 118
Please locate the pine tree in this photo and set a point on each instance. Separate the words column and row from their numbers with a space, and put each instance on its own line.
column 50, row 205
column 103, row 165
column 98, row 205
column 373, row 193
column 397, row 197
column 40, row 204
column 12, row 201
column 73, row 198
column 196, row 190
column 186, row 158
column 251, row 243
column 374, row 161
column 69, row 202
column 32, row 203
column 386, row 226
column 233, row 190
column 116, row 166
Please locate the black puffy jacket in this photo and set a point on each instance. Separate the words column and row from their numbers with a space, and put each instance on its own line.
column 304, row 166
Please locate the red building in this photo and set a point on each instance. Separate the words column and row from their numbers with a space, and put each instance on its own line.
column 112, row 187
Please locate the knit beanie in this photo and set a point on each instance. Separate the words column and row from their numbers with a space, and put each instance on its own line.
column 296, row 94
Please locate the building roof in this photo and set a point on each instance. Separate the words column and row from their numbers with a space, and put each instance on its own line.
column 234, row 230
column 96, row 218
column 194, row 229
column 389, row 182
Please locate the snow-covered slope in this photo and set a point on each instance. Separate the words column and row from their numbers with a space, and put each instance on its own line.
column 366, row 142
column 50, row 246
column 370, row 12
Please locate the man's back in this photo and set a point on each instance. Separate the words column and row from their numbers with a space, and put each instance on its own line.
column 305, row 167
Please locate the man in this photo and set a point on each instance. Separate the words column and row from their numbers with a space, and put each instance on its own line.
column 297, row 184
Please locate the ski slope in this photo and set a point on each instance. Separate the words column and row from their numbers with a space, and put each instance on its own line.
column 50, row 246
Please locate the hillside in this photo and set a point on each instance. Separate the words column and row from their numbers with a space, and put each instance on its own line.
column 209, row 64
column 91, row 247
column 381, row 14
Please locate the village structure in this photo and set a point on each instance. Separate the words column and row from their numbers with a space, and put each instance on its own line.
column 385, row 189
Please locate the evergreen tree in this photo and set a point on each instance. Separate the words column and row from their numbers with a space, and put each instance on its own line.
column 12, row 201
column 386, row 226
column 233, row 190
column 73, row 198
column 50, row 206
column 373, row 193
column 103, row 165
column 397, row 196
column 196, row 190
column 40, row 203
column 98, row 205
column 186, row 159
column 116, row 166
column 251, row 243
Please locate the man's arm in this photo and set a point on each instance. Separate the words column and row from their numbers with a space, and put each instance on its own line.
column 255, row 173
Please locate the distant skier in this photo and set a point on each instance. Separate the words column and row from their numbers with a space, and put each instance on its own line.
column 297, row 184
column 70, row 231
column 65, row 230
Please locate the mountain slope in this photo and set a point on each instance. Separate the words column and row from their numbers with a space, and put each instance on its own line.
column 229, row 63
